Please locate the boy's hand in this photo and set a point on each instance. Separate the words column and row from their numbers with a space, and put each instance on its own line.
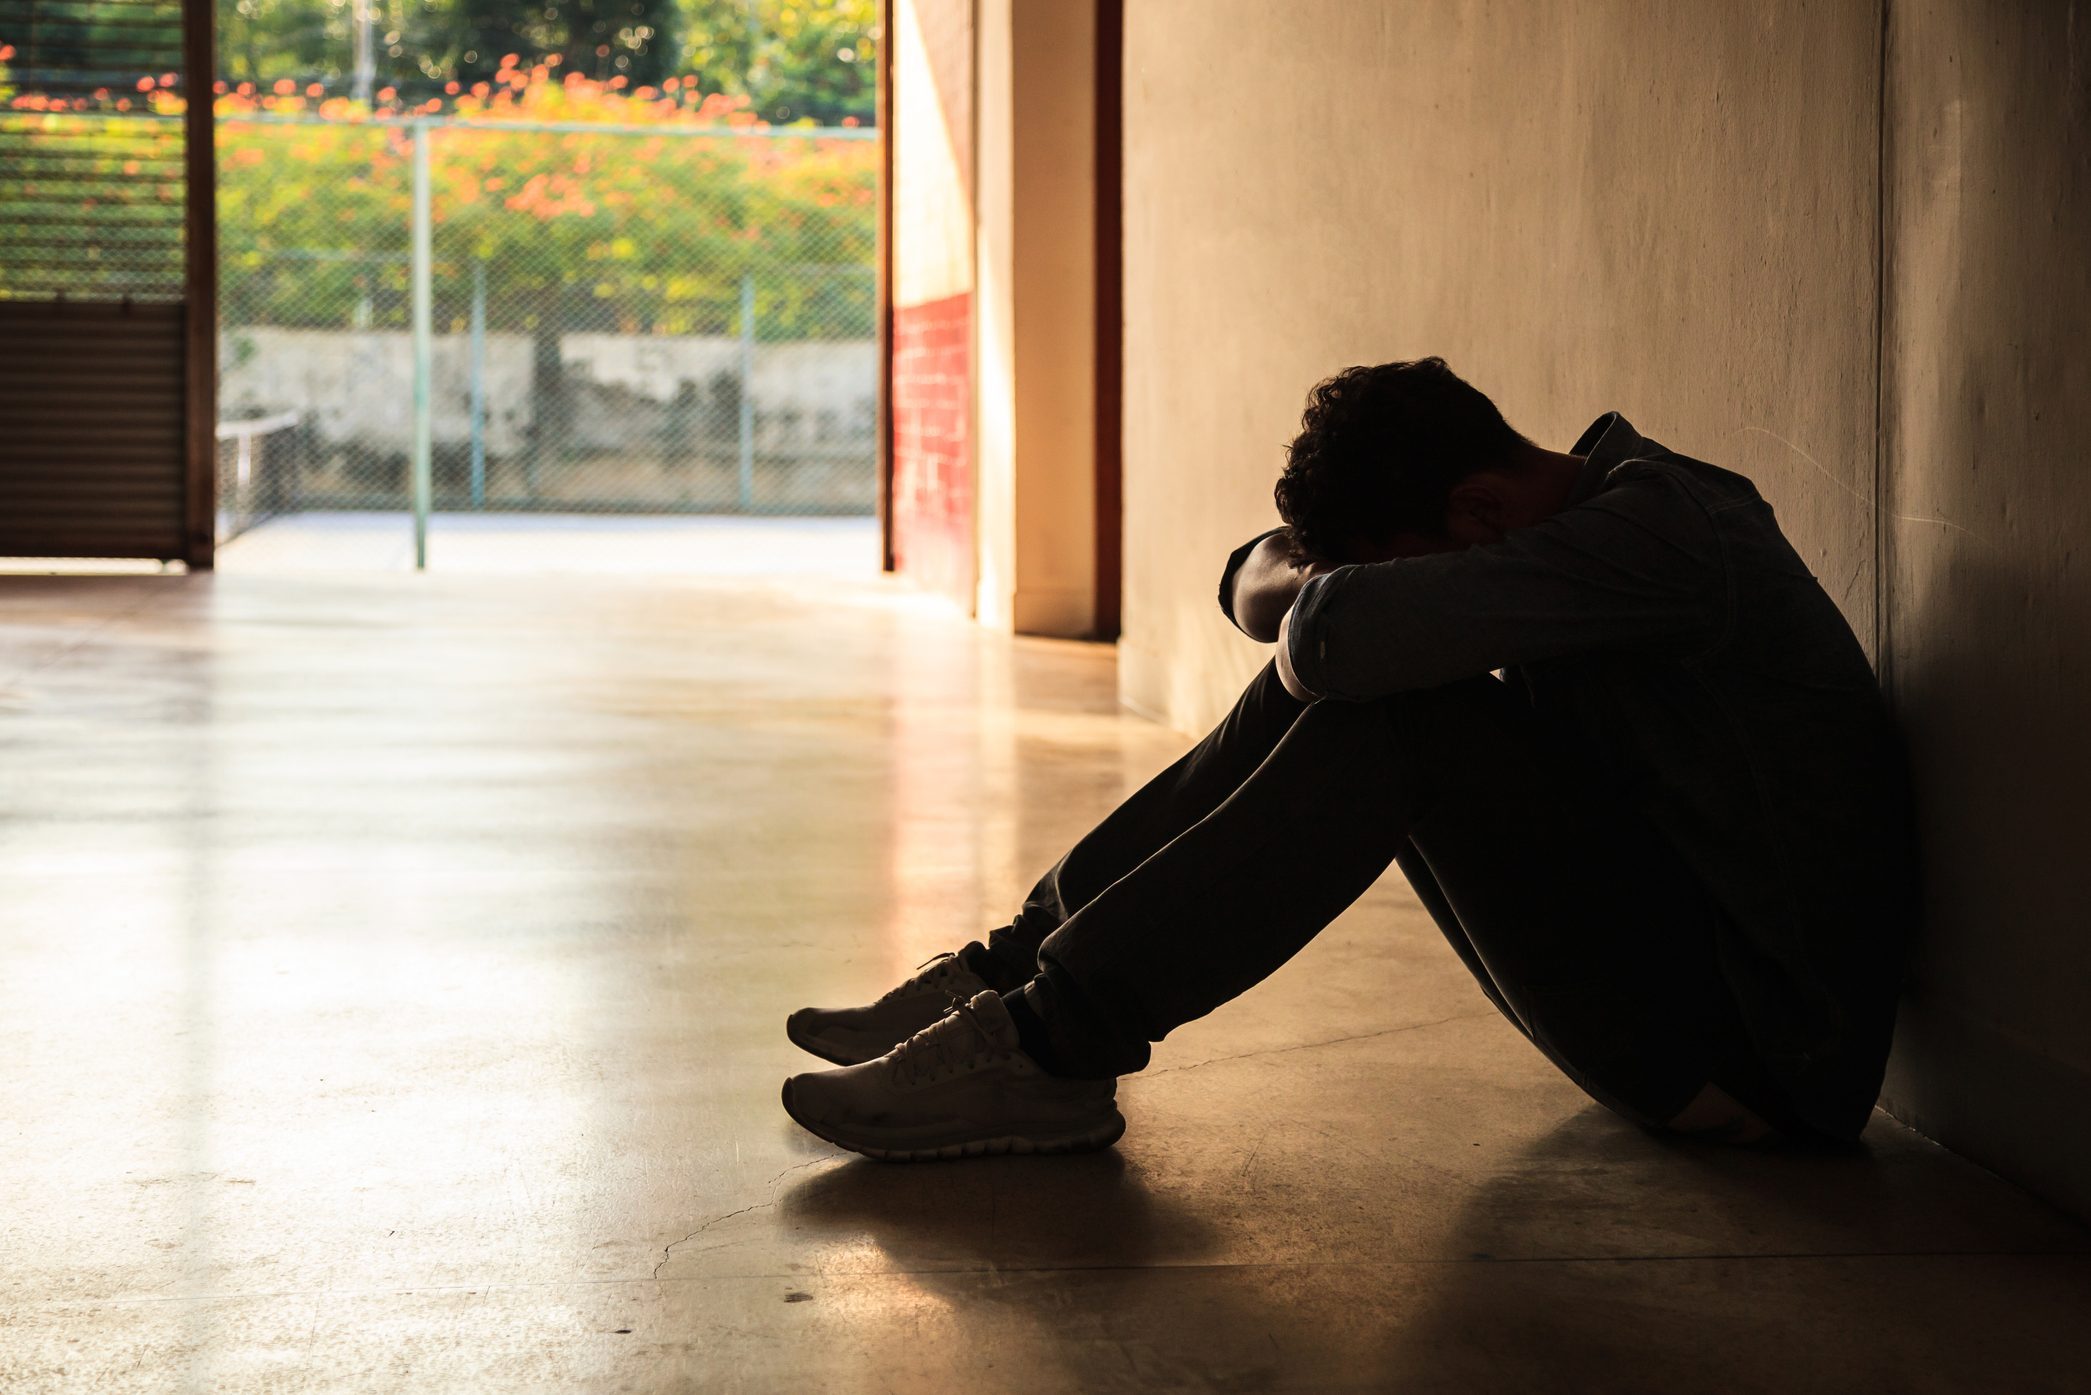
column 1267, row 584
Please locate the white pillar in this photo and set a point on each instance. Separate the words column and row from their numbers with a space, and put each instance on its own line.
column 1036, row 254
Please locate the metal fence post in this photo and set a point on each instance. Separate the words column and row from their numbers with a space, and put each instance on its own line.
column 479, row 384
column 424, row 349
column 747, row 423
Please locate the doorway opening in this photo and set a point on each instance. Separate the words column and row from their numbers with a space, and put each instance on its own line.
column 578, row 281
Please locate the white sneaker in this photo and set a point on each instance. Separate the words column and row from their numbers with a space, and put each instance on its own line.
column 959, row 1088
column 850, row 1036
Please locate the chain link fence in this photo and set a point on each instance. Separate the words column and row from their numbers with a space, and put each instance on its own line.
column 625, row 319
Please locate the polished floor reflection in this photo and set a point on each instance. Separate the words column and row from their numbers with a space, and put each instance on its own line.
column 391, row 979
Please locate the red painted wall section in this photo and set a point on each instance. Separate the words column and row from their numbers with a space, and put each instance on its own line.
column 932, row 459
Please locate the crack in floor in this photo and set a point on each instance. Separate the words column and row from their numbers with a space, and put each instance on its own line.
column 668, row 1250
column 1310, row 1045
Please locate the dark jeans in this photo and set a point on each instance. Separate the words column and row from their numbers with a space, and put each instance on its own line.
column 1574, row 916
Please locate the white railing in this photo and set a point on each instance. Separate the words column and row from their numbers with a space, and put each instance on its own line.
column 238, row 507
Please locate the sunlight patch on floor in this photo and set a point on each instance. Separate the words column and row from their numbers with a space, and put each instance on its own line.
column 561, row 543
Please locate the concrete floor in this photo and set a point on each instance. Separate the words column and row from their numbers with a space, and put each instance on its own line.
column 391, row 980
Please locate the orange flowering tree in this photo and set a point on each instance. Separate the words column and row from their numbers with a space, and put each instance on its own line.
column 642, row 212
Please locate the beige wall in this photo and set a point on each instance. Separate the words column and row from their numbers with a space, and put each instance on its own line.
column 1666, row 209
column 1037, row 307
column 1674, row 210
column 1989, row 614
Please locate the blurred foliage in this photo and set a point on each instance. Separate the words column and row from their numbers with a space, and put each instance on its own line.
column 304, row 40
column 632, row 39
column 793, row 60
column 647, row 233
column 94, row 201
column 60, row 37
column 628, row 231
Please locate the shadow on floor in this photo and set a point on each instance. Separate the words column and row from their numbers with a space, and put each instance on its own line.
column 1600, row 1257
column 1609, row 1258
column 1085, row 1211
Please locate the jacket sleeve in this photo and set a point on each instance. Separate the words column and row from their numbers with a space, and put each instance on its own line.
column 1637, row 566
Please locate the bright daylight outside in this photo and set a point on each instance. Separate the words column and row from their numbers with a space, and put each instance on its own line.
column 533, row 282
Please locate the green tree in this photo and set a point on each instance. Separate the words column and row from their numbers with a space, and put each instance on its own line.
column 794, row 60
column 419, row 47
column 306, row 41
column 600, row 39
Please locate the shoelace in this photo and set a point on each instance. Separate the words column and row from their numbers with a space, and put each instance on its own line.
column 926, row 972
column 936, row 1045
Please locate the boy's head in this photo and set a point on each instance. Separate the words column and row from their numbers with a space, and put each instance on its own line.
column 1398, row 459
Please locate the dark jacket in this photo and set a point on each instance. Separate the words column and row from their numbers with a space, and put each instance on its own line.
column 1663, row 623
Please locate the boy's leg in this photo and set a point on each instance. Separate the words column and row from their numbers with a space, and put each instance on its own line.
column 1171, row 802
column 1742, row 1102
column 1570, row 911
column 1146, row 821
column 1574, row 915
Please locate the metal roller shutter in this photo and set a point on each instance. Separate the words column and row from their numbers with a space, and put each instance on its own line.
column 107, row 323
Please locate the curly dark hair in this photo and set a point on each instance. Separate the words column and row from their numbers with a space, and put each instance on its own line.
column 1380, row 448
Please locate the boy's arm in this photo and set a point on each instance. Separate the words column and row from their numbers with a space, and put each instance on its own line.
column 1637, row 568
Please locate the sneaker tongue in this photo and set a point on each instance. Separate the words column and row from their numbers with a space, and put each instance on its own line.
column 993, row 1015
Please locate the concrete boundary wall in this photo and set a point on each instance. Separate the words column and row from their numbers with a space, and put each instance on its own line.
column 1677, row 211
column 621, row 391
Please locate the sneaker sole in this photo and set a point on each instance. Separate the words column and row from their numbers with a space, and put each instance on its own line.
column 812, row 1047
column 1101, row 1137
